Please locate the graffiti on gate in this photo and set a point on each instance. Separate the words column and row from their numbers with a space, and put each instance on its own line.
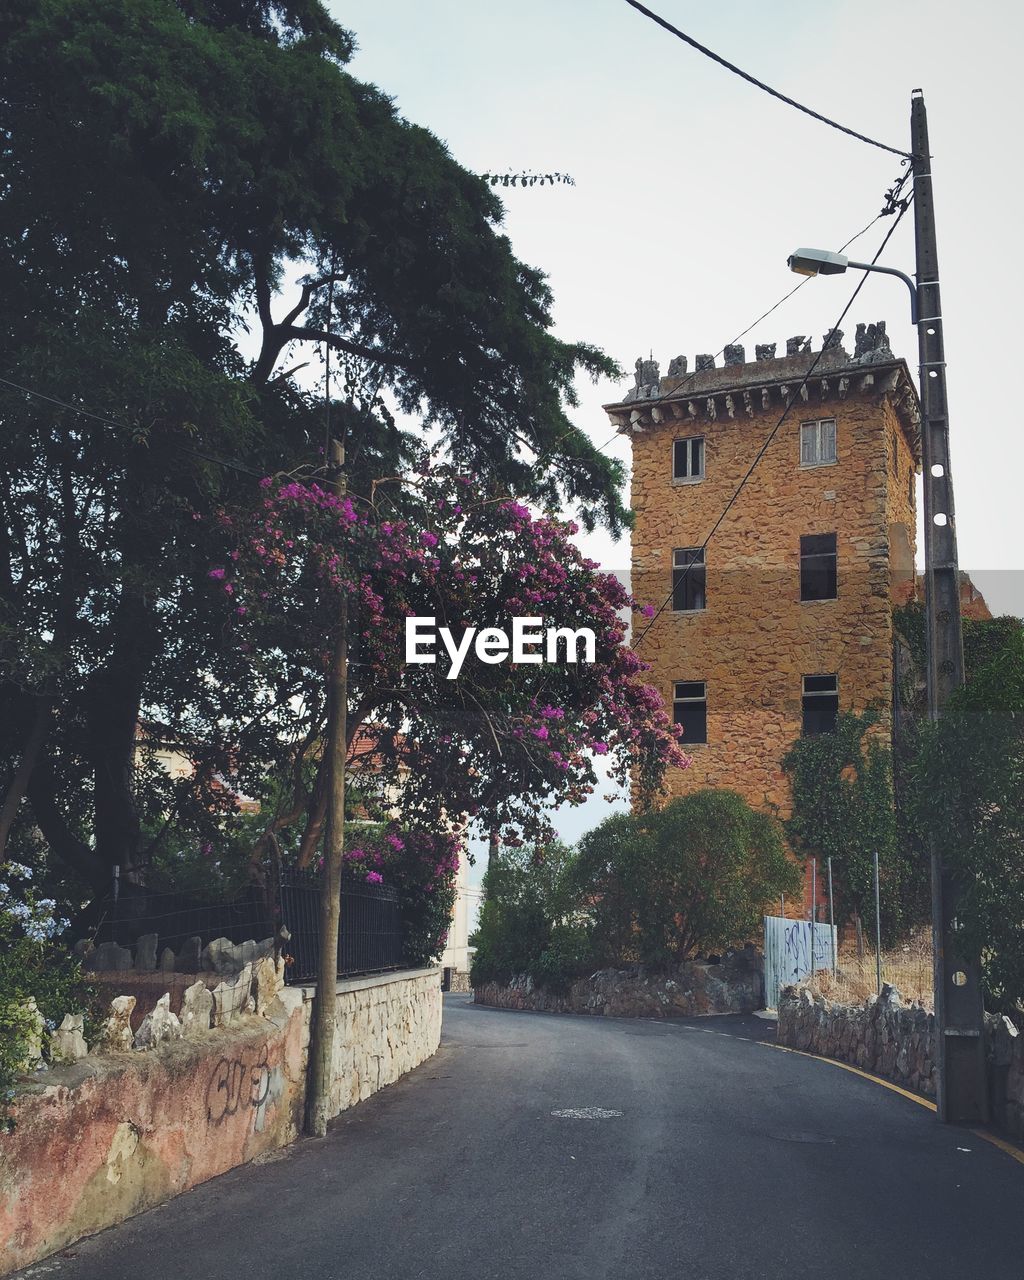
column 246, row 1081
column 787, row 953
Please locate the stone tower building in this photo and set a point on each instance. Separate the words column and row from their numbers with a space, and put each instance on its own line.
column 786, row 616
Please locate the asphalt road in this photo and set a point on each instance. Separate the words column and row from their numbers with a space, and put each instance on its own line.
column 730, row 1160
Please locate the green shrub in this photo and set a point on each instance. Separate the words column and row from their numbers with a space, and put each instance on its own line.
column 968, row 795
column 33, row 964
column 569, row 955
column 692, row 878
column 523, row 899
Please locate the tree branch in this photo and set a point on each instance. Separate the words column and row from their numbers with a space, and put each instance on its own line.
column 299, row 333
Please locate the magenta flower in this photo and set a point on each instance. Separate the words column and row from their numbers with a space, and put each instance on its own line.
column 374, row 877
column 217, row 574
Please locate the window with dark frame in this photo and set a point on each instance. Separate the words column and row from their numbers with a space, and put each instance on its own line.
column 689, row 583
column 818, row 567
column 820, row 704
column 818, row 443
column 688, row 459
column 690, row 709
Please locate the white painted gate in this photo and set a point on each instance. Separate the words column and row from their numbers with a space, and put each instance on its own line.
column 787, row 953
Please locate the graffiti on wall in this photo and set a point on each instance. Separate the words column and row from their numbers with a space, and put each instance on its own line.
column 244, row 1082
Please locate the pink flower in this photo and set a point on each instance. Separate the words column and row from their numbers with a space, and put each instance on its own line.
column 601, row 748
column 428, row 539
column 648, row 610
column 217, row 574
column 541, row 733
column 374, row 877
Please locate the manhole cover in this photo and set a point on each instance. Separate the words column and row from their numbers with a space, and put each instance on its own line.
column 803, row 1137
column 586, row 1113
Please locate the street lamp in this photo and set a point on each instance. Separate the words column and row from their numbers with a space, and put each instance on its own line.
column 819, row 262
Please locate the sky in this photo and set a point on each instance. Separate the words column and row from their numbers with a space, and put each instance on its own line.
column 692, row 187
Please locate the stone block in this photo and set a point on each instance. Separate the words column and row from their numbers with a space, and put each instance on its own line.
column 233, row 999
column 268, row 979
column 116, row 1033
column 196, row 1009
column 145, row 953
column 189, row 957
column 167, row 960
column 34, row 1026
column 158, row 1025
column 108, row 957
column 67, row 1043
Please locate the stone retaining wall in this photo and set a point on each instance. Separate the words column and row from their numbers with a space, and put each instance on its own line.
column 896, row 1041
column 386, row 1026
column 105, row 1137
column 735, row 985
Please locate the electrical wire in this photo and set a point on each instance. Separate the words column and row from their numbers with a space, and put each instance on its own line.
column 729, row 66
column 775, row 430
column 892, row 205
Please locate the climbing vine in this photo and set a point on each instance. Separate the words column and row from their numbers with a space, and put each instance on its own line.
column 844, row 809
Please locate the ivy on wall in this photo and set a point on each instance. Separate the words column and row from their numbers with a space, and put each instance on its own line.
column 844, row 809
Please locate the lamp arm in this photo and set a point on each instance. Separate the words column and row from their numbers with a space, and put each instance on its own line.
column 891, row 271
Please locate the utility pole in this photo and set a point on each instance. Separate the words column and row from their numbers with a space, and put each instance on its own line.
column 321, row 1047
column 962, row 1093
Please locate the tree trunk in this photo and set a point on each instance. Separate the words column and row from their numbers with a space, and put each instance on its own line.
column 113, row 702
column 321, row 1046
column 19, row 783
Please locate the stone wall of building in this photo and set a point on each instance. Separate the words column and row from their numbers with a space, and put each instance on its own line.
column 736, row 985
column 104, row 1137
column 756, row 639
column 896, row 1041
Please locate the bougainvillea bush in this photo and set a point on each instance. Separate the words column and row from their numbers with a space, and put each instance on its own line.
column 495, row 747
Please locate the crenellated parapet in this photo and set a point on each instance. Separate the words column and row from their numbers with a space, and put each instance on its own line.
column 740, row 389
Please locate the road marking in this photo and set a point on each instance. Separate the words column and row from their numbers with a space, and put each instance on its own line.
column 1013, row 1151
column 1001, row 1143
column 846, row 1066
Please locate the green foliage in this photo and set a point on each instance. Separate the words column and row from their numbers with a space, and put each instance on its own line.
column 984, row 638
column 33, row 966
column 523, row 899
column 570, row 953
column 969, row 797
column 843, row 809
column 694, row 877
column 170, row 168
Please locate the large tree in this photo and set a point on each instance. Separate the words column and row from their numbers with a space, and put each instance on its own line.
column 197, row 198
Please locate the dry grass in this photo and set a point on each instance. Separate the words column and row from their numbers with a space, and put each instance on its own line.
column 906, row 966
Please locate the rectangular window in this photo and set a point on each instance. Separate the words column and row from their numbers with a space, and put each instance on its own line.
column 690, row 709
column 818, row 443
column 820, row 704
column 688, row 580
column 688, row 459
column 818, row 578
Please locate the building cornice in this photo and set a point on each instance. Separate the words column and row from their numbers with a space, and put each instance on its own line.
column 745, row 389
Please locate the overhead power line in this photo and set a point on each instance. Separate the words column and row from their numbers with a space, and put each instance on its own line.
column 745, row 75
column 893, row 204
column 775, row 430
